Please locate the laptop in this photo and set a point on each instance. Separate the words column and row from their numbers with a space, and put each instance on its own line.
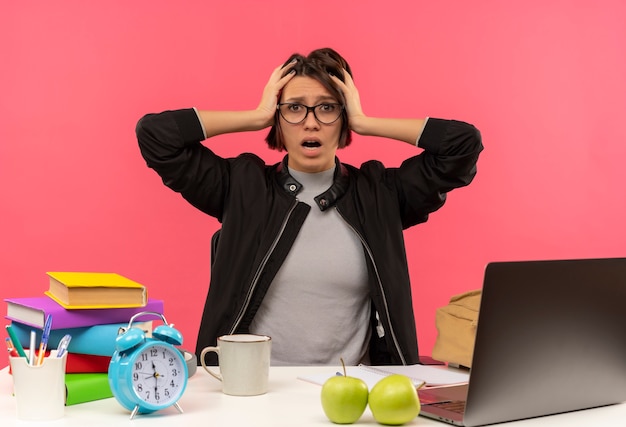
column 551, row 338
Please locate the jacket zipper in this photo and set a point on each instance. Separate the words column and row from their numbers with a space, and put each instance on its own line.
column 261, row 267
column 380, row 285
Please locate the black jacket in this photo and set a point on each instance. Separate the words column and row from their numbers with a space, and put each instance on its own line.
column 261, row 216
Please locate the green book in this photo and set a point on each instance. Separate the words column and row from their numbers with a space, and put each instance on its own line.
column 87, row 387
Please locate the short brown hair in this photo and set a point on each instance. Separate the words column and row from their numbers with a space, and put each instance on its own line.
column 318, row 65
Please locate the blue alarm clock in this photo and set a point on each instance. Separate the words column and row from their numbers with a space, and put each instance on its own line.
column 147, row 374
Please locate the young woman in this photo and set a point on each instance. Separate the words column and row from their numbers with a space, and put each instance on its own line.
column 311, row 250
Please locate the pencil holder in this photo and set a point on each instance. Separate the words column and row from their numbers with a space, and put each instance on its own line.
column 39, row 390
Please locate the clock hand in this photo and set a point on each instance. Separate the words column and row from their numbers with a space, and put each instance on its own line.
column 146, row 374
column 151, row 374
column 156, row 380
column 156, row 375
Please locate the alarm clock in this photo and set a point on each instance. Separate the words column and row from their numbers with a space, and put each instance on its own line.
column 148, row 374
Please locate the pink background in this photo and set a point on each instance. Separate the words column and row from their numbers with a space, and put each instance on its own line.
column 544, row 82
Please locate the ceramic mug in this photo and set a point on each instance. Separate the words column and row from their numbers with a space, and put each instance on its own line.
column 244, row 362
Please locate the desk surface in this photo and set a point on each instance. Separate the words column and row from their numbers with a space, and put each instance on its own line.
column 289, row 402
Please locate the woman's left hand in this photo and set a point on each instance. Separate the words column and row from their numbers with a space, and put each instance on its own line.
column 406, row 130
column 353, row 101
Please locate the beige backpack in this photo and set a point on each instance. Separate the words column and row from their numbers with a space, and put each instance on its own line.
column 456, row 326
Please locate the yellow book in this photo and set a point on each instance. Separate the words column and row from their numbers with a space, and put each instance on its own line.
column 78, row 290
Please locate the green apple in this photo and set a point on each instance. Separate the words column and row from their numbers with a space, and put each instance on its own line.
column 344, row 398
column 393, row 400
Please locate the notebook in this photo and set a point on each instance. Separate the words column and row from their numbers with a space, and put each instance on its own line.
column 431, row 376
column 550, row 339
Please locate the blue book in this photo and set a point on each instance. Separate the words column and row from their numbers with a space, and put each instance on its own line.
column 97, row 340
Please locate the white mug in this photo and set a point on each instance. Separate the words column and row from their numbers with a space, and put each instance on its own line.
column 244, row 362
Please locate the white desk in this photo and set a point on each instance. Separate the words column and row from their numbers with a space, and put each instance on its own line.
column 290, row 402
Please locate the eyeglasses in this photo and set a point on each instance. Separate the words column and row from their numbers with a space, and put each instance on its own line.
column 294, row 113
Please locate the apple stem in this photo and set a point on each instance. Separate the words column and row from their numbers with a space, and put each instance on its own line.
column 343, row 365
column 421, row 385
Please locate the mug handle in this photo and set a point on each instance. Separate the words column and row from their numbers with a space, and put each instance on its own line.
column 206, row 368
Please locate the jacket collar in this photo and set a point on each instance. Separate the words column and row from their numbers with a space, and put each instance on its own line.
column 324, row 200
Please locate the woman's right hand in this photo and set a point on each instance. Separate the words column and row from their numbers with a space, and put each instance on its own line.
column 222, row 122
column 272, row 90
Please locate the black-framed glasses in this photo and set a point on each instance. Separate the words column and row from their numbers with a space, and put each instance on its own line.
column 294, row 113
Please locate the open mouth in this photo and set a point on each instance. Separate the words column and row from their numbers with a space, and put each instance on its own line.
column 311, row 144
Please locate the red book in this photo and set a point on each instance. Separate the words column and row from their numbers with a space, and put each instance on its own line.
column 78, row 363
column 33, row 311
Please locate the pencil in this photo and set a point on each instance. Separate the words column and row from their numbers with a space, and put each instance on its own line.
column 31, row 348
column 16, row 342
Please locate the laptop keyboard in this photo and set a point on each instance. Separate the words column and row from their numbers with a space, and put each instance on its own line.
column 456, row 406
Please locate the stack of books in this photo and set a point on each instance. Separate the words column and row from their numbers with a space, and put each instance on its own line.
column 91, row 308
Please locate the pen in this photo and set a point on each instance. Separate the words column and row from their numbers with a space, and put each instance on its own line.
column 16, row 342
column 31, row 348
column 63, row 344
column 44, row 339
column 10, row 347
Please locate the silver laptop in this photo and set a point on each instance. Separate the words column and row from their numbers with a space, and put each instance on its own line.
column 551, row 338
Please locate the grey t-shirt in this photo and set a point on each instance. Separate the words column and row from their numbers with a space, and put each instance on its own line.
column 317, row 309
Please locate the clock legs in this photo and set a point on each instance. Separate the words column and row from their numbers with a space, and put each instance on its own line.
column 132, row 414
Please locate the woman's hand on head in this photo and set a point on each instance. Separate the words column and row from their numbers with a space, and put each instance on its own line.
column 353, row 100
column 406, row 130
column 271, row 92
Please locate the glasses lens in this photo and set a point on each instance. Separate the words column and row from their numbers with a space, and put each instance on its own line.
column 293, row 113
column 327, row 113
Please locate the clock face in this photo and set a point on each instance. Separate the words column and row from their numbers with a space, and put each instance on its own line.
column 158, row 375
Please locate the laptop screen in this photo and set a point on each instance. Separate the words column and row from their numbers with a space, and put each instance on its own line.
column 551, row 338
